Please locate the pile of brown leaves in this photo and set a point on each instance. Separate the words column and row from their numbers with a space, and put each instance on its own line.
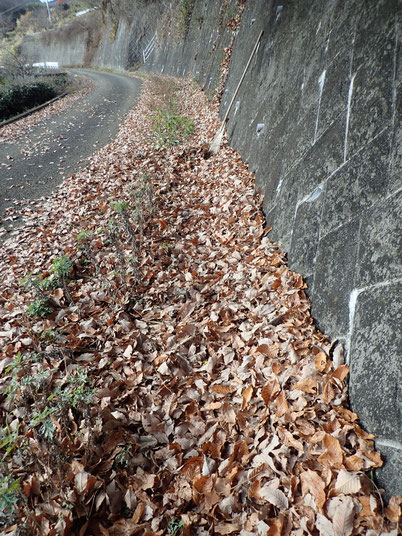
column 202, row 398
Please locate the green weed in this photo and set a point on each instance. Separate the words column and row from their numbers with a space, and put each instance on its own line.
column 170, row 128
column 123, row 456
column 9, row 495
column 8, row 440
column 174, row 527
column 83, row 236
column 77, row 391
column 62, row 266
column 42, row 419
column 48, row 335
column 122, row 207
column 40, row 308
column 61, row 270
column 36, row 380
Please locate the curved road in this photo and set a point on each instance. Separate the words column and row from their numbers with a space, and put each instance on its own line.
column 32, row 165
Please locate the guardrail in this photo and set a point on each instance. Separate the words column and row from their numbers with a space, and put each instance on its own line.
column 149, row 48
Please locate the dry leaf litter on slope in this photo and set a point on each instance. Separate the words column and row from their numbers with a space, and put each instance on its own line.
column 215, row 405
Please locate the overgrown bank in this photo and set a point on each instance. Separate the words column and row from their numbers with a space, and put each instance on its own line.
column 19, row 96
column 23, row 86
column 162, row 372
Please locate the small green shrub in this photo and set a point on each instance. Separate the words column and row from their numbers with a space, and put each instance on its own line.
column 62, row 266
column 9, row 494
column 31, row 382
column 8, row 441
column 61, row 269
column 123, row 456
column 121, row 207
column 83, row 236
column 170, row 128
column 20, row 374
column 42, row 419
column 77, row 391
column 40, row 307
column 174, row 527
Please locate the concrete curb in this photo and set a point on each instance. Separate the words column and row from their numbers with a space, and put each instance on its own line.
column 31, row 111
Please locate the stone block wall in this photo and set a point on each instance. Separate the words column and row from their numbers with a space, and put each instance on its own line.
column 318, row 120
column 326, row 86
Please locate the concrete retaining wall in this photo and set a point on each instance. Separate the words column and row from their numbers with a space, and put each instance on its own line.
column 318, row 120
column 326, row 85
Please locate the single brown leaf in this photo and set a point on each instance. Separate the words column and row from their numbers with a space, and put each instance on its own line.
column 223, row 389
column 58, row 293
column 347, row 483
column 328, row 391
column 354, row 463
column 313, row 483
column 277, row 526
column 366, row 504
column 144, row 481
column 274, row 496
column 276, row 368
column 201, row 483
column 307, row 386
column 254, row 489
column 393, row 510
column 240, row 451
column 226, row 528
column 268, row 350
column 270, row 391
column 341, row 372
column 247, row 395
column 343, row 518
column 281, row 404
column 139, row 511
column 333, row 455
column 320, row 361
column 290, row 441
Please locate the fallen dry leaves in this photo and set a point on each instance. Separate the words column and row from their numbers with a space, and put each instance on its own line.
column 214, row 403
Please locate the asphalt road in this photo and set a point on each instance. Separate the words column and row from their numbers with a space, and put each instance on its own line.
column 32, row 165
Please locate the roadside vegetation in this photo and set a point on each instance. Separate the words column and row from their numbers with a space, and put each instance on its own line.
column 23, row 88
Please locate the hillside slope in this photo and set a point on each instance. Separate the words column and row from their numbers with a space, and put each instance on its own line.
column 318, row 121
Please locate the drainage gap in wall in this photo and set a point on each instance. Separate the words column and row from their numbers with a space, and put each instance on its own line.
column 278, row 12
column 259, row 129
column 315, row 195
